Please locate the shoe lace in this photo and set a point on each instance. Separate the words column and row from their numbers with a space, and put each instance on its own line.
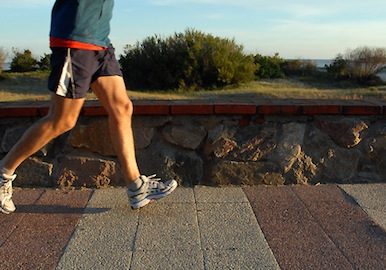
column 153, row 181
column 6, row 190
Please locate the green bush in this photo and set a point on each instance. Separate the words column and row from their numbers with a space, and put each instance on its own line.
column 338, row 68
column 45, row 62
column 299, row 67
column 269, row 66
column 186, row 60
column 23, row 62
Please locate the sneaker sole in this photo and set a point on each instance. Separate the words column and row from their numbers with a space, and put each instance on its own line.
column 152, row 198
column 5, row 211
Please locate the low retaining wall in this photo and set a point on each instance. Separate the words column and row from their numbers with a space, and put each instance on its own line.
column 213, row 144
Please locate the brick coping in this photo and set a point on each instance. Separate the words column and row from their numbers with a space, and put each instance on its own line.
column 199, row 107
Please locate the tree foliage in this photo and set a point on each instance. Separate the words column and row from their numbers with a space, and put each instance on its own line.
column 191, row 60
column 361, row 64
column 299, row 67
column 23, row 61
column 2, row 59
column 269, row 67
column 44, row 62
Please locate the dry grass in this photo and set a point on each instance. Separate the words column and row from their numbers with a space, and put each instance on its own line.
column 33, row 86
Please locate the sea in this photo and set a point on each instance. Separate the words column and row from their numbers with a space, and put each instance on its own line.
column 7, row 66
column 320, row 64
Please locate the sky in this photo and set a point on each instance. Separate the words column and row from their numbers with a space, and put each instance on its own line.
column 306, row 29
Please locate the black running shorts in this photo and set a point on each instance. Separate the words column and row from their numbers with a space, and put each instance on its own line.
column 73, row 70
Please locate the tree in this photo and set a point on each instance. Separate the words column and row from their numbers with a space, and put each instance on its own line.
column 361, row 64
column 269, row 66
column 186, row 60
column 45, row 62
column 338, row 67
column 23, row 62
column 2, row 59
column 364, row 63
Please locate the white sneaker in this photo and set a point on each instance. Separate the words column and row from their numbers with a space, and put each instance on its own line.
column 6, row 204
column 151, row 189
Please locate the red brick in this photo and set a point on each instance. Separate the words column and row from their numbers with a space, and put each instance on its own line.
column 291, row 109
column 321, row 109
column 260, row 119
column 269, row 109
column 150, row 109
column 43, row 111
column 247, row 109
column 192, row 109
column 19, row 112
column 362, row 110
column 94, row 111
column 279, row 109
column 244, row 121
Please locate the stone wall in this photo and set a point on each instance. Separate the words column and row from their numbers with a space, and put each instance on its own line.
column 212, row 149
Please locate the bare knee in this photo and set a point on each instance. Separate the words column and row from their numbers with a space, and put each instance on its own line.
column 122, row 112
column 61, row 125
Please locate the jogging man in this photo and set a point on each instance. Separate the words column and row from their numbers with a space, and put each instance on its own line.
column 82, row 59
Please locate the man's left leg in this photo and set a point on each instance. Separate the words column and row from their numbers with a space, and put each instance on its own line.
column 111, row 92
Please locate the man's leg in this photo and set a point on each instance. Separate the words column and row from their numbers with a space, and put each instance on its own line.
column 61, row 117
column 111, row 92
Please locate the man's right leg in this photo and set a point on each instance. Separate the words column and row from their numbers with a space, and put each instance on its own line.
column 61, row 117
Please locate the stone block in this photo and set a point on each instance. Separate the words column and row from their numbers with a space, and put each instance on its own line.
column 188, row 136
column 226, row 172
column 87, row 171
column 34, row 172
column 344, row 132
column 94, row 137
column 11, row 135
column 169, row 161
column 289, row 146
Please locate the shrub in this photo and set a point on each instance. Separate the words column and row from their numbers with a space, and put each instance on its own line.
column 299, row 67
column 23, row 62
column 338, row 67
column 186, row 60
column 269, row 66
column 2, row 59
column 364, row 63
column 361, row 64
column 45, row 62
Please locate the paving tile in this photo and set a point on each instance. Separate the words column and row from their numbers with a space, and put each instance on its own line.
column 102, row 241
column 104, row 238
column 368, row 196
column 231, row 229
column 43, row 232
column 107, row 198
column 206, row 194
column 168, row 259
column 251, row 258
column 167, row 227
column 348, row 226
column 179, row 195
column 22, row 199
column 56, row 208
column 295, row 237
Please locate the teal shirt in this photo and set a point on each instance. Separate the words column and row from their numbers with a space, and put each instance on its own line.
column 82, row 20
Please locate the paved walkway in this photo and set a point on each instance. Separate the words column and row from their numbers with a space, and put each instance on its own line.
column 289, row 227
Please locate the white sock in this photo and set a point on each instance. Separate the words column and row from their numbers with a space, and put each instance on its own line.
column 5, row 171
column 136, row 184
